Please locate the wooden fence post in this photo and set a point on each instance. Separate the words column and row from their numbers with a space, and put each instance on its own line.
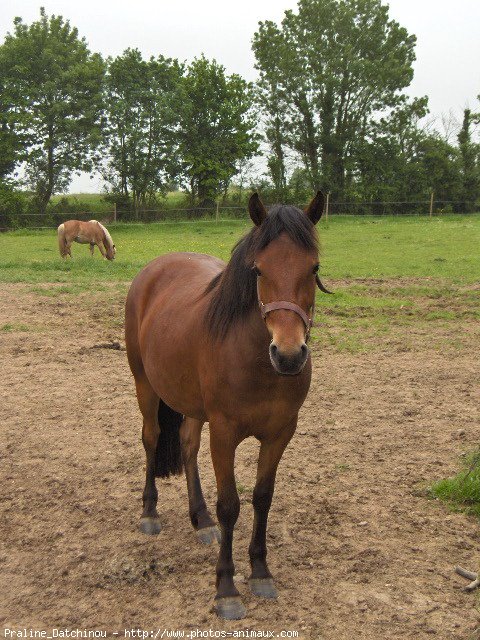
column 114, row 211
column 431, row 204
column 327, row 206
column 216, row 212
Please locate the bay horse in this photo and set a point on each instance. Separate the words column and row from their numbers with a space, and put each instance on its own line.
column 91, row 232
column 227, row 344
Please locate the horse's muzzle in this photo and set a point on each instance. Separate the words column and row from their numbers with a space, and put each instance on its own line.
column 288, row 364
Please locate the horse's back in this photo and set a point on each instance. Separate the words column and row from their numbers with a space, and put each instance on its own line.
column 68, row 226
column 71, row 228
column 170, row 286
column 181, row 275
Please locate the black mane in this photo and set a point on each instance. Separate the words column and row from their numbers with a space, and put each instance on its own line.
column 235, row 288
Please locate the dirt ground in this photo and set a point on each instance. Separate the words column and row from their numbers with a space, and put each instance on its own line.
column 355, row 545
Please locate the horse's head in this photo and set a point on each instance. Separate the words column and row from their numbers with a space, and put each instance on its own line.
column 110, row 251
column 286, row 263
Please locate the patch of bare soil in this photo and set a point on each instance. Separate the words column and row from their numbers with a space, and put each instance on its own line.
column 357, row 549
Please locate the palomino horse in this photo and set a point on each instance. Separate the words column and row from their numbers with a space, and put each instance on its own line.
column 225, row 344
column 92, row 233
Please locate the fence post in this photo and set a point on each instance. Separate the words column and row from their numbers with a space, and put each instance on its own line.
column 114, row 211
column 216, row 212
column 326, row 206
column 431, row 204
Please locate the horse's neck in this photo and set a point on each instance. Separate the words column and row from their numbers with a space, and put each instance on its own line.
column 254, row 337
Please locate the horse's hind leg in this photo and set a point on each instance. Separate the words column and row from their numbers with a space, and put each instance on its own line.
column 148, row 402
column 202, row 521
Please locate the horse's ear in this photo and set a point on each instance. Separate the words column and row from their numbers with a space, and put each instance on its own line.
column 256, row 209
column 315, row 208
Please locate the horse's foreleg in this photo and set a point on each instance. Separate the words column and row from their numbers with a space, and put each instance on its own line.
column 101, row 249
column 261, row 581
column 190, row 433
column 228, row 603
column 92, row 248
column 148, row 402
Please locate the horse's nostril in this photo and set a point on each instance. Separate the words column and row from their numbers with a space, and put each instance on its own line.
column 304, row 350
column 273, row 350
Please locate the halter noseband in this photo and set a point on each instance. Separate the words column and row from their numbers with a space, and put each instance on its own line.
column 291, row 306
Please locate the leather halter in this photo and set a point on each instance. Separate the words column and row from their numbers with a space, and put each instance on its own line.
column 291, row 306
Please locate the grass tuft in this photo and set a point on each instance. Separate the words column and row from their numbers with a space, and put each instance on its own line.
column 11, row 327
column 462, row 491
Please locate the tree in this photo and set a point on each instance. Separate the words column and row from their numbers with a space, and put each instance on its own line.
column 401, row 161
column 470, row 164
column 11, row 143
column 54, row 85
column 142, row 116
column 274, row 107
column 440, row 161
column 386, row 166
column 216, row 128
column 333, row 64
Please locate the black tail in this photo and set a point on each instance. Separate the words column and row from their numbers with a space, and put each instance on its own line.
column 168, row 456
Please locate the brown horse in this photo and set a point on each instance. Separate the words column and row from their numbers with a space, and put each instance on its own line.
column 225, row 344
column 92, row 233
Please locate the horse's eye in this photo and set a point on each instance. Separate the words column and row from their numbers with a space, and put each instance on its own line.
column 316, row 268
column 256, row 270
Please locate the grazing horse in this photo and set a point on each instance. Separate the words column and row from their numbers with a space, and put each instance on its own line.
column 225, row 344
column 92, row 233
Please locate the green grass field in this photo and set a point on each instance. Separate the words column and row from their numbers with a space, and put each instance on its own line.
column 392, row 247
column 386, row 272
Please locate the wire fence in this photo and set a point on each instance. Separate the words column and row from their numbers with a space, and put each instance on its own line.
column 222, row 213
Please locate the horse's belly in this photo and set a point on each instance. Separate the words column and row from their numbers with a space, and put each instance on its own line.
column 173, row 372
column 82, row 239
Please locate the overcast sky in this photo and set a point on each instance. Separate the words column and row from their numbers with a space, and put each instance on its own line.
column 448, row 38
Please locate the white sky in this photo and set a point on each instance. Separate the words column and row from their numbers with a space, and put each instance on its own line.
column 448, row 38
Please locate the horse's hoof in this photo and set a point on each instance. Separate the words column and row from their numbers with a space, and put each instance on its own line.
column 150, row 526
column 263, row 587
column 230, row 608
column 207, row 535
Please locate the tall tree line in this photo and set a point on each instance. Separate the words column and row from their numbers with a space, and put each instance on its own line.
column 143, row 124
column 329, row 110
column 331, row 88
